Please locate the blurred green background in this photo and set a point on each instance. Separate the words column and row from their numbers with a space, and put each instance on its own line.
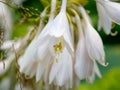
column 111, row 74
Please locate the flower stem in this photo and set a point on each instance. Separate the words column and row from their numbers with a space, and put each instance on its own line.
column 53, row 6
column 63, row 7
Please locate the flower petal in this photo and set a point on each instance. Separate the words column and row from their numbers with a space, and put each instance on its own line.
column 61, row 71
column 83, row 64
column 43, row 66
column 113, row 9
column 93, row 41
column 59, row 25
column 28, row 60
column 104, row 20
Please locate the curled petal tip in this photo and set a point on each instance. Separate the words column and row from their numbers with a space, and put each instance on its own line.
column 105, row 64
column 114, row 33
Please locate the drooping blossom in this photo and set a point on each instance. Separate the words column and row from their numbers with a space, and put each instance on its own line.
column 58, row 44
column 93, row 41
column 108, row 12
column 29, row 65
column 89, row 49
column 62, row 71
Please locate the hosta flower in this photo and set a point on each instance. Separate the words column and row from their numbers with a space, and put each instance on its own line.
column 85, row 66
column 30, row 65
column 50, row 47
column 5, row 20
column 93, row 41
column 28, row 62
column 61, row 71
column 33, row 59
column 108, row 11
column 58, row 43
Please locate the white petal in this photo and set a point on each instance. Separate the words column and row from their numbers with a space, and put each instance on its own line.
column 31, row 69
column 45, row 31
column 5, row 20
column 113, row 10
column 61, row 71
column 28, row 67
column 83, row 64
column 93, row 41
column 54, row 70
column 40, row 71
column 104, row 20
column 97, row 70
column 59, row 25
column 43, row 66
column 44, row 46
column 68, row 41
column 28, row 59
column 65, row 73
column 94, row 45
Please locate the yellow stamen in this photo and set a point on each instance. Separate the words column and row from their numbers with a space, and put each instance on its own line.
column 58, row 48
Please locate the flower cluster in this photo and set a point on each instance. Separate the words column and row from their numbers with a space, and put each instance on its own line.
column 55, row 57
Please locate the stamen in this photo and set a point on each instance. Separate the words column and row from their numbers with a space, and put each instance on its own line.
column 58, row 48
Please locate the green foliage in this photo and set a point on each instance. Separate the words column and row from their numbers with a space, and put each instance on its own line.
column 110, row 81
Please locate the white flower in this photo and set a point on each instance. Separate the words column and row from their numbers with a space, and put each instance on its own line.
column 5, row 20
column 60, row 28
column 108, row 11
column 28, row 62
column 52, row 45
column 93, row 41
column 85, row 66
column 55, row 43
column 61, row 71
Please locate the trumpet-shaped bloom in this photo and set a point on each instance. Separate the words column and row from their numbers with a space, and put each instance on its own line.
column 93, row 41
column 51, row 46
column 29, row 65
column 61, row 71
column 108, row 11
column 60, row 27
column 58, row 41
column 85, row 67
column 28, row 62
